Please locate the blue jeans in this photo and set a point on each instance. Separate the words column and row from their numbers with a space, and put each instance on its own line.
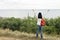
column 39, row 29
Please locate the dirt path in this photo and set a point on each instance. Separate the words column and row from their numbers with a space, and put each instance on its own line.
column 26, row 38
column 8, row 38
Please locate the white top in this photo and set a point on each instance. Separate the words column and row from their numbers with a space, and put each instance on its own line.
column 39, row 22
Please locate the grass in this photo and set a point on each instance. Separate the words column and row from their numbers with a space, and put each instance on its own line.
column 16, row 35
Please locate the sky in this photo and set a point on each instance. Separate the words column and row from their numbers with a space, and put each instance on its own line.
column 22, row 13
column 29, row 4
column 21, row 8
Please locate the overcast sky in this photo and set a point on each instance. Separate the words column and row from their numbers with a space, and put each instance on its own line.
column 21, row 13
column 29, row 4
column 21, row 8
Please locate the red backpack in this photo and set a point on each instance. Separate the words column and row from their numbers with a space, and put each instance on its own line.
column 42, row 22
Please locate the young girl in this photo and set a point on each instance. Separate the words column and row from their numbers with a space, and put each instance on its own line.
column 39, row 29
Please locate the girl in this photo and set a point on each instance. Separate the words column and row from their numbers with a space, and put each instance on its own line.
column 39, row 29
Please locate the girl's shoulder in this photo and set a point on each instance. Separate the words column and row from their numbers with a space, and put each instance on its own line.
column 39, row 18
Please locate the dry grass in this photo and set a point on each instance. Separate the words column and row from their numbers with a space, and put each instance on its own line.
column 16, row 35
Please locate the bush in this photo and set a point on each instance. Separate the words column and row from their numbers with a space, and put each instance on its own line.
column 49, row 29
column 29, row 25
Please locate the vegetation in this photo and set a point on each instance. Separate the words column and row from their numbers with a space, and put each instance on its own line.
column 29, row 25
column 6, row 34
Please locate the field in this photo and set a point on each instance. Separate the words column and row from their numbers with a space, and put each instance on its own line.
column 16, row 35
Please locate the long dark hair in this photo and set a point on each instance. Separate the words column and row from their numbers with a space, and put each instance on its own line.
column 39, row 15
